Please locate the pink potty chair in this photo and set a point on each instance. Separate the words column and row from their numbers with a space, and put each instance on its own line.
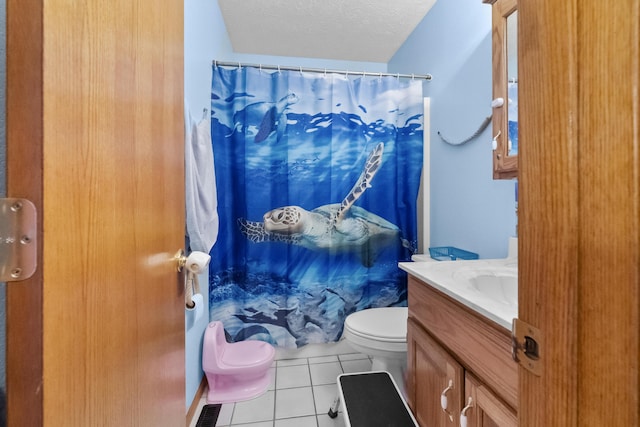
column 235, row 371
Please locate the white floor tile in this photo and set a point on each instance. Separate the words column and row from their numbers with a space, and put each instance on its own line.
column 323, row 359
column 293, row 376
column 352, row 356
column 326, row 421
column 261, row 424
column 224, row 418
column 258, row 409
column 324, row 395
column 325, row 373
column 362, row 365
column 290, row 400
column 272, row 373
column 291, row 362
column 297, row 422
column 294, row 402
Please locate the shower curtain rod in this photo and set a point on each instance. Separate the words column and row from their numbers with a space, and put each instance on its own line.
column 321, row 70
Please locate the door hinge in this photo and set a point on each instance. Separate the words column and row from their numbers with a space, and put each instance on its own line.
column 18, row 231
column 526, row 346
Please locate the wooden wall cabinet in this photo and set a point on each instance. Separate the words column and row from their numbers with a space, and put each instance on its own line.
column 505, row 86
column 454, row 353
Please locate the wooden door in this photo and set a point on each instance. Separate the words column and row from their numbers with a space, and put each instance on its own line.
column 579, row 210
column 432, row 371
column 95, row 140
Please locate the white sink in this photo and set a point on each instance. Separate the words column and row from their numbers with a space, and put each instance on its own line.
column 501, row 288
column 488, row 286
column 497, row 279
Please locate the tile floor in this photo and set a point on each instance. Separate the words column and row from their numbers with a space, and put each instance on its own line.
column 301, row 392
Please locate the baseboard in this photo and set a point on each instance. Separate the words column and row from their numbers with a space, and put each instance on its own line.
column 196, row 400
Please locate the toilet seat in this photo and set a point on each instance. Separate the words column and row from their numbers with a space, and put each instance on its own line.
column 388, row 324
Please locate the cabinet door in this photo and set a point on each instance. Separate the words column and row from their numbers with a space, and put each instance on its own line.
column 432, row 372
column 485, row 409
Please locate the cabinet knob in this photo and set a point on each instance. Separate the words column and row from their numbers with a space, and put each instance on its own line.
column 444, row 403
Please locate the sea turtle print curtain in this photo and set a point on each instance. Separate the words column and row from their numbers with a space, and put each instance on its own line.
column 317, row 179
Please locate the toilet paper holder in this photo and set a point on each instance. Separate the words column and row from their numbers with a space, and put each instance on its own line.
column 196, row 262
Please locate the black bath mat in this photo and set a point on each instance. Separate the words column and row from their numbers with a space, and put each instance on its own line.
column 209, row 416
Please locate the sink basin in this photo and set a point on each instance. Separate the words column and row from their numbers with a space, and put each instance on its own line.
column 499, row 287
column 488, row 286
column 496, row 281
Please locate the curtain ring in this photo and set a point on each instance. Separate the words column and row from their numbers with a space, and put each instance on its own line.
column 278, row 68
column 398, row 76
column 325, row 72
column 239, row 66
column 215, row 63
column 380, row 77
column 413, row 77
column 260, row 67
column 301, row 70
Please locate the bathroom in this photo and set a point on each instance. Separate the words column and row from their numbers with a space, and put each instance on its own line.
column 577, row 220
column 469, row 209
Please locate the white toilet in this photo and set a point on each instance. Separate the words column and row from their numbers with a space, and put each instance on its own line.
column 382, row 334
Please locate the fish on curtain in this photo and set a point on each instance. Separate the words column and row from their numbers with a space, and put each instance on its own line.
column 317, row 178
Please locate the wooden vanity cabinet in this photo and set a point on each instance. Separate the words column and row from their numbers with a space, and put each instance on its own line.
column 487, row 410
column 455, row 352
column 433, row 371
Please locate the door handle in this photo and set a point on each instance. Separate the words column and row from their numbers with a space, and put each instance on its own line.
column 196, row 262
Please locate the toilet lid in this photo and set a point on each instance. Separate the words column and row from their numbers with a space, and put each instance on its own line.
column 387, row 323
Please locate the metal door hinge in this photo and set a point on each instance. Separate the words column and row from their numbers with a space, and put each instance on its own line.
column 18, row 231
column 526, row 346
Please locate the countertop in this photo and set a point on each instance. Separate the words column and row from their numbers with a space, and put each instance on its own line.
column 463, row 281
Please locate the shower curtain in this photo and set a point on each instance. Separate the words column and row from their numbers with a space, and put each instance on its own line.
column 317, row 178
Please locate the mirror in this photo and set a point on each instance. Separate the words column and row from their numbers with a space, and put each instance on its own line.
column 512, row 82
column 505, row 86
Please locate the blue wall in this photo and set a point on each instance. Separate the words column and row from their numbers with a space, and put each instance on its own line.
column 206, row 39
column 469, row 209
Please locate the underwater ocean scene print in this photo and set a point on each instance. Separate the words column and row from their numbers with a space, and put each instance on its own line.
column 512, row 123
column 317, row 178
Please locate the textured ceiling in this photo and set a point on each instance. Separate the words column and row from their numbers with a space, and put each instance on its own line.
column 351, row 30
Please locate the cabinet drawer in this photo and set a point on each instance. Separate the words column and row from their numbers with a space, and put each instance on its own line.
column 480, row 345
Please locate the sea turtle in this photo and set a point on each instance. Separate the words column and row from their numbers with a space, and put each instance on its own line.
column 337, row 227
column 261, row 119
